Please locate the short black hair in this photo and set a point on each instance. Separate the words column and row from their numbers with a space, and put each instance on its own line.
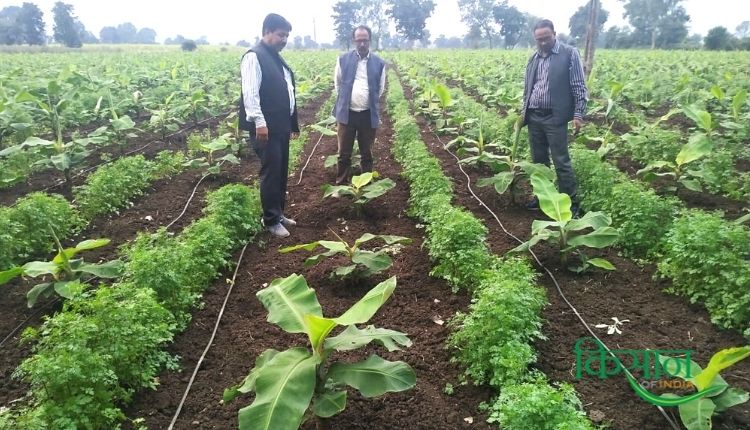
column 362, row 27
column 544, row 23
column 274, row 22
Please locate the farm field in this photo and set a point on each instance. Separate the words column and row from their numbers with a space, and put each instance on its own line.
column 142, row 148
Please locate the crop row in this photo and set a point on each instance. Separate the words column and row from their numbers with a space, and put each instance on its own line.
column 493, row 340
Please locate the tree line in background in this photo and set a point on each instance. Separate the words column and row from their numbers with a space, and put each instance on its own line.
column 496, row 24
column 24, row 25
column 399, row 24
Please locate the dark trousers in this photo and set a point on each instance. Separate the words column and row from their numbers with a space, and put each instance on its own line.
column 274, row 169
column 546, row 138
column 359, row 127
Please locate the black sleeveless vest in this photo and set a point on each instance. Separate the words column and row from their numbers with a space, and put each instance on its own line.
column 274, row 96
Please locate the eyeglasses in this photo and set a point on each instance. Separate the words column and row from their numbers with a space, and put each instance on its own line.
column 544, row 39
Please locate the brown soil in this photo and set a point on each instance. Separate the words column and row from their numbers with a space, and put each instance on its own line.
column 742, row 164
column 657, row 320
column 244, row 332
column 600, row 120
column 163, row 203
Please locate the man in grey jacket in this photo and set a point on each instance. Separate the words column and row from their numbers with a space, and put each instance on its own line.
column 359, row 79
column 554, row 94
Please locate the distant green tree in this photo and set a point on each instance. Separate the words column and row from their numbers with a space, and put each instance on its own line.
column 673, row 31
column 127, row 32
column 478, row 15
column 443, row 42
column 657, row 23
column 180, row 38
column 694, row 41
column 410, row 17
column 473, row 37
column 527, row 35
column 512, row 23
column 618, row 38
column 309, row 43
column 10, row 34
column 146, row 36
column 743, row 29
column 345, row 19
column 578, row 23
column 718, row 39
column 85, row 35
column 373, row 14
column 65, row 30
column 109, row 34
column 31, row 24
column 426, row 36
column 394, row 41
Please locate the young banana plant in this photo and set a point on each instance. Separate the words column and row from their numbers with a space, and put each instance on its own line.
column 512, row 170
column 696, row 414
column 364, row 188
column 210, row 160
column 365, row 263
column 300, row 383
column 67, row 272
column 699, row 145
column 566, row 232
column 479, row 150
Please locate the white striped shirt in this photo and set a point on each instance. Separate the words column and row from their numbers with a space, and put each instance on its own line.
column 251, row 79
column 360, row 100
column 540, row 95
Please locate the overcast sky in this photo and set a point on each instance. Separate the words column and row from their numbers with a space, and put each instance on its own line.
column 232, row 20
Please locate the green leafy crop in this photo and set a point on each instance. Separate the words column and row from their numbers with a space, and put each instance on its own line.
column 299, row 383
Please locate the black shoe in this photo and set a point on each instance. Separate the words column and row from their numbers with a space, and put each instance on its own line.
column 533, row 205
column 576, row 210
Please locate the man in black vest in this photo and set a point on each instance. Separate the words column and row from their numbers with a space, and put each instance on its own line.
column 269, row 112
column 554, row 94
column 359, row 82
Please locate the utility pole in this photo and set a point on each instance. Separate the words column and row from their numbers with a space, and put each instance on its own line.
column 591, row 30
column 315, row 32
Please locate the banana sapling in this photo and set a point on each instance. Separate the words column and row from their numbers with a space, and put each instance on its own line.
column 300, row 383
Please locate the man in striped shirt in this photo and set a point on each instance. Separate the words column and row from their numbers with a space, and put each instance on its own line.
column 554, row 94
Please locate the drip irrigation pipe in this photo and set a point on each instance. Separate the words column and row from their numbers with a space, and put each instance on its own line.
column 302, row 171
column 210, row 341
column 23, row 323
column 188, row 201
column 674, row 425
